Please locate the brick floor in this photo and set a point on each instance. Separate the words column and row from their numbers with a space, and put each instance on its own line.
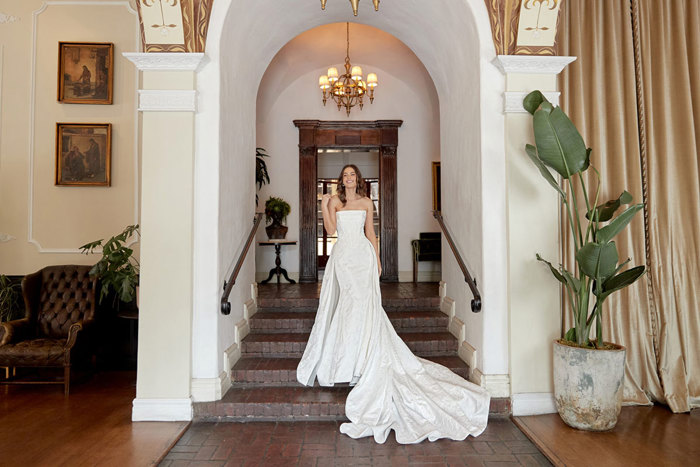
column 321, row 444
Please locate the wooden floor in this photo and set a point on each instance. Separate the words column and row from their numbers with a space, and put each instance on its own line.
column 648, row 436
column 38, row 426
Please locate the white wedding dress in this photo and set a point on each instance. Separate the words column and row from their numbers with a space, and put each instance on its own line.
column 353, row 341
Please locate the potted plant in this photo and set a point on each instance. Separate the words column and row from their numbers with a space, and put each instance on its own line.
column 261, row 175
column 9, row 298
column 117, row 270
column 588, row 373
column 276, row 211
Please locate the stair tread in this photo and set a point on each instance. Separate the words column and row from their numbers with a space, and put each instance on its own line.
column 403, row 314
column 287, row 395
column 304, row 336
column 267, row 363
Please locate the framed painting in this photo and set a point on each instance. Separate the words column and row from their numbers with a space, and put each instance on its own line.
column 83, row 154
column 436, row 186
column 85, row 72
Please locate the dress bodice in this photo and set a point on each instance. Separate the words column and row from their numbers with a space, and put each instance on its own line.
column 350, row 224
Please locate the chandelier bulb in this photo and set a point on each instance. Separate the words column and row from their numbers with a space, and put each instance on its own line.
column 376, row 4
column 354, row 4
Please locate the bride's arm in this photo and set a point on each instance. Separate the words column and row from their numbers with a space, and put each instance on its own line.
column 369, row 232
column 328, row 208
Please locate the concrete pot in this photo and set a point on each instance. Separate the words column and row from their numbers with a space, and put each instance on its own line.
column 588, row 386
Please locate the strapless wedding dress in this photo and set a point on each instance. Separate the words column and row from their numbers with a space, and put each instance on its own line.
column 353, row 341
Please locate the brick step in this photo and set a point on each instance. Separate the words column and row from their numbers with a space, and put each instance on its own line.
column 256, row 371
column 311, row 304
column 288, row 345
column 404, row 295
column 275, row 404
column 293, row 321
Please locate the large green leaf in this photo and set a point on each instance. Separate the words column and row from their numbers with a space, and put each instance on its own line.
column 607, row 210
column 597, row 260
column 532, row 101
column 532, row 153
column 555, row 273
column 559, row 144
column 622, row 280
column 607, row 233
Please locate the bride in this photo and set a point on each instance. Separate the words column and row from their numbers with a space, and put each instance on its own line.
column 353, row 341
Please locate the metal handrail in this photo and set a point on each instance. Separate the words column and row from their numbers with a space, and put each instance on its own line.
column 228, row 285
column 471, row 282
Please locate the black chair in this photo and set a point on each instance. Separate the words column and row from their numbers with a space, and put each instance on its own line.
column 428, row 247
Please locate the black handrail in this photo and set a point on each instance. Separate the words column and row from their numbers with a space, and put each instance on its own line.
column 228, row 285
column 476, row 301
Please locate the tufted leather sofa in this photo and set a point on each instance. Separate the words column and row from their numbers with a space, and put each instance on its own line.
column 59, row 303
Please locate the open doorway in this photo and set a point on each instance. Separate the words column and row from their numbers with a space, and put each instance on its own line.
column 376, row 139
column 329, row 164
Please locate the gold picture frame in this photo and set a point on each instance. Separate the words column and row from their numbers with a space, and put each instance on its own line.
column 85, row 72
column 83, row 154
column 436, row 185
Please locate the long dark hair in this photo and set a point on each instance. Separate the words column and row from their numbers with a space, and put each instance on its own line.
column 361, row 188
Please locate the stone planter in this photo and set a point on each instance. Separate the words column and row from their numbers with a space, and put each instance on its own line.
column 588, row 386
column 276, row 231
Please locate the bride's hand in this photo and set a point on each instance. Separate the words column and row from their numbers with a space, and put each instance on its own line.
column 325, row 200
column 379, row 267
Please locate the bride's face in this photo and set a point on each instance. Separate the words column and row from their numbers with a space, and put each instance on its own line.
column 349, row 178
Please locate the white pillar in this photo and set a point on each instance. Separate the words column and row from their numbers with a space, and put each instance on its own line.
column 533, row 227
column 167, row 100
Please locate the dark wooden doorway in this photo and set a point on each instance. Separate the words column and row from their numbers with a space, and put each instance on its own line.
column 379, row 134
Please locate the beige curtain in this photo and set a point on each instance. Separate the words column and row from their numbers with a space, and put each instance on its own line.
column 598, row 93
column 669, row 47
column 640, row 123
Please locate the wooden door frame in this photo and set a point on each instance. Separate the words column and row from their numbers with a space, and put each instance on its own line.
column 382, row 135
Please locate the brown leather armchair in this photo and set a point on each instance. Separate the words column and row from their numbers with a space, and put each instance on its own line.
column 59, row 303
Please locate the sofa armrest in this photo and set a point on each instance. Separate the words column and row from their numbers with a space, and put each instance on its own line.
column 15, row 331
column 73, row 334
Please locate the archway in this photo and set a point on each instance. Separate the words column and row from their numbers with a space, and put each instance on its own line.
column 241, row 43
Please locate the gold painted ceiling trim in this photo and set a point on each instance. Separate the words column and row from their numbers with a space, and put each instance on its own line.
column 194, row 16
column 504, row 16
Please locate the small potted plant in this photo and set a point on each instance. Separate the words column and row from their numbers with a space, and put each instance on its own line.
column 276, row 212
column 588, row 372
column 117, row 270
column 262, row 176
column 9, row 298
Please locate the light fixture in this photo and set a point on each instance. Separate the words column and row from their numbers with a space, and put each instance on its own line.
column 349, row 89
column 354, row 4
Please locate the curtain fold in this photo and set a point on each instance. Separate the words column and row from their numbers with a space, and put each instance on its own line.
column 634, row 93
column 669, row 46
column 599, row 95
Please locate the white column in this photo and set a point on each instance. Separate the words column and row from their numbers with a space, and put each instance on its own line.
column 533, row 227
column 167, row 100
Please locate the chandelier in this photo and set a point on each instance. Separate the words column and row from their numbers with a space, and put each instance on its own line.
column 349, row 89
column 354, row 4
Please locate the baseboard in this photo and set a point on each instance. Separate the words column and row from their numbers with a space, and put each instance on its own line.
column 210, row 389
column 496, row 385
column 533, row 403
column 161, row 410
column 458, row 329
column 468, row 355
column 447, row 306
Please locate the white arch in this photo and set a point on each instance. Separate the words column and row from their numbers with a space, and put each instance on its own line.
column 453, row 40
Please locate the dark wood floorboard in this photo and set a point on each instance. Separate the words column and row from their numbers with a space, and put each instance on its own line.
column 39, row 427
column 648, row 436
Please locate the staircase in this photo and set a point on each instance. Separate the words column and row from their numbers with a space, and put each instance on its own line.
column 264, row 379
